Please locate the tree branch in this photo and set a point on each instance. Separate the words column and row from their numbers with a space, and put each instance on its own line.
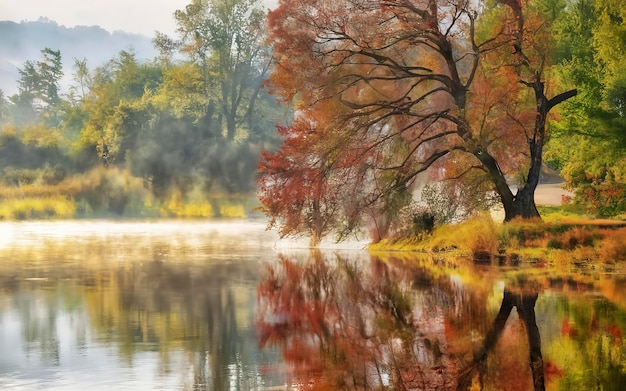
column 562, row 97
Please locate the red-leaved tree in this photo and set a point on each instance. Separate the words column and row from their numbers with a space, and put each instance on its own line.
column 387, row 89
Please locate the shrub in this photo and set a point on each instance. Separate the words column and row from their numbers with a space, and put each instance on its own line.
column 52, row 175
column 578, row 236
column 232, row 210
column 554, row 243
column 612, row 247
column 604, row 200
column 111, row 191
column 478, row 234
column 423, row 222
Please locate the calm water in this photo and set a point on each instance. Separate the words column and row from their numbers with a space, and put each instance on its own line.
column 226, row 306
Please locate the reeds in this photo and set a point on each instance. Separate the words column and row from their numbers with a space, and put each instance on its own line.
column 110, row 192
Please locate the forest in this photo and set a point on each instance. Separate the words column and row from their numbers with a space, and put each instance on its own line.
column 334, row 113
column 179, row 135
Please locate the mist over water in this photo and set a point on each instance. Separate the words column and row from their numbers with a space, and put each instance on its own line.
column 140, row 305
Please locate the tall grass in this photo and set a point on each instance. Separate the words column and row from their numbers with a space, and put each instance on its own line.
column 37, row 208
column 556, row 243
column 479, row 234
column 109, row 192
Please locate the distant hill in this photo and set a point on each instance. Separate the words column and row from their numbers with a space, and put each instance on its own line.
column 24, row 41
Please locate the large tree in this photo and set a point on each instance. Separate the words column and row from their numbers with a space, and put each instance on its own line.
column 388, row 89
column 225, row 40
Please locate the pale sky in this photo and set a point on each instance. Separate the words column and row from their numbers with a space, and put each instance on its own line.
column 134, row 16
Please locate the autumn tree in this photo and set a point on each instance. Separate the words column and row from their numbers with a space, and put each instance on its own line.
column 392, row 325
column 448, row 85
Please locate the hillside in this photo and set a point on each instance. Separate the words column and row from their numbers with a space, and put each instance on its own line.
column 24, row 41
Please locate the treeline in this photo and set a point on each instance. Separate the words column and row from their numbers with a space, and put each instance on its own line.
column 180, row 135
column 24, row 40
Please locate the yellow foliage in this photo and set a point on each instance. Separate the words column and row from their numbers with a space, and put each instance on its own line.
column 40, row 136
column 232, row 210
column 37, row 208
column 477, row 234
column 177, row 206
column 8, row 131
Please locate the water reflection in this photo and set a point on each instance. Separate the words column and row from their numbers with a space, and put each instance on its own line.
column 344, row 323
column 120, row 307
column 183, row 306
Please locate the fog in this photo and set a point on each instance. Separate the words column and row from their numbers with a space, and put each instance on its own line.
column 23, row 41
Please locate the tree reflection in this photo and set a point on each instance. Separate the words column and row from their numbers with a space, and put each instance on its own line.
column 391, row 324
column 170, row 306
column 200, row 312
column 525, row 304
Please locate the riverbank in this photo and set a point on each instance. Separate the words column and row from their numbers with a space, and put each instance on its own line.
column 536, row 241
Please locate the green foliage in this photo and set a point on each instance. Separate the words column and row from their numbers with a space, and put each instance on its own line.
column 38, row 86
column 589, row 143
column 146, row 138
column 440, row 203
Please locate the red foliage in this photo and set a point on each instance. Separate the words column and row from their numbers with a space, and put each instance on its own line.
column 551, row 371
column 616, row 333
column 567, row 328
column 385, row 91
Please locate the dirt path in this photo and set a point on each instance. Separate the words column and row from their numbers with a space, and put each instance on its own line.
column 547, row 194
column 551, row 194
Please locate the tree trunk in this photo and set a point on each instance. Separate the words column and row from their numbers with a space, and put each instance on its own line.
column 522, row 204
column 526, row 311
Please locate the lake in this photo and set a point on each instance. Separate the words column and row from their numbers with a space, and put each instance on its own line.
column 195, row 305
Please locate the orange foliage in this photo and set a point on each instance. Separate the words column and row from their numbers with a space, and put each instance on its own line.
column 552, row 371
column 568, row 329
column 403, row 87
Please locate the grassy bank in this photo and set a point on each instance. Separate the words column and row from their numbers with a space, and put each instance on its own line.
column 552, row 241
column 115, row 193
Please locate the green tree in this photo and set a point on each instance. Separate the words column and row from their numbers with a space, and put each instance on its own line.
column 589, row 144
column 225, row 39
column 82, row 80
column 114, row 107
column 39, row 88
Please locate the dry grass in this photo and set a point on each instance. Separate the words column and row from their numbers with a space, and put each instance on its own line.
column 533, row 240
column 475, row 235
column 104, row 192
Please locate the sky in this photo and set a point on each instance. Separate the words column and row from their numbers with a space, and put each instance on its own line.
column 134, row 16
